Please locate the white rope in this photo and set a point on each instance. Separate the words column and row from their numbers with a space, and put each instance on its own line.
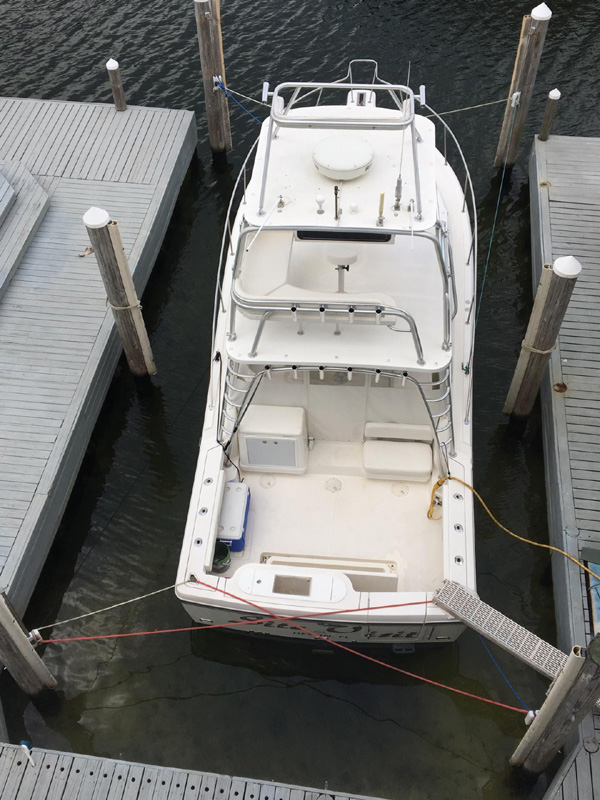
column 123, row 308
column 108, row 608
column 470, row 108
column 252, row 99
column 440, row 113
column 530, row 349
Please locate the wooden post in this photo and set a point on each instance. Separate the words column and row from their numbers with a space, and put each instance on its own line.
column 571, row 696
column 112, row 262
column 549, row 308
column 553, row 98
column 114, row 75
column 529, row 53
column 17, row 653
column 210, row 41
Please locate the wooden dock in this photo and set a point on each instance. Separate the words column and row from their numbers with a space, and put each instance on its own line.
column 565, row 220
column 64, row 776
column 58, row 343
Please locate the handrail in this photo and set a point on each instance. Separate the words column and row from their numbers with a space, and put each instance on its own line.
column 282, row 118
column 227, row 233
column 472, row 251
column 441, row 446
column 331, row 309
column 435, row 239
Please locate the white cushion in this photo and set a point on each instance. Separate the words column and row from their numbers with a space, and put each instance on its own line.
column 398, row 430
column 274, row 421
column 391, row 461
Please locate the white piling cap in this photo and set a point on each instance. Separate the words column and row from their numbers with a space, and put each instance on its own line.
column 566, row 267
column 97, row 218
column 541, row 12
column 112, row 64
column 554, row 94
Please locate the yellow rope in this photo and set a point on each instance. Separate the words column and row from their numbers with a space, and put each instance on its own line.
column 500, row 525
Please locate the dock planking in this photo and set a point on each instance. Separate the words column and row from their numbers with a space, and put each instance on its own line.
column 565, row 220
column 65, row 776
column 58, row 342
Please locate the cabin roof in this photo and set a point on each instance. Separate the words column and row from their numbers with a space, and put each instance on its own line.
column 293, row 182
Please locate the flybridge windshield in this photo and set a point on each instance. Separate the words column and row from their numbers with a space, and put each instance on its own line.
column 343, row 236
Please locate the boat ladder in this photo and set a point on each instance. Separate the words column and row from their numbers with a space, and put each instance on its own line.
column 236, row 388
column 440, row 411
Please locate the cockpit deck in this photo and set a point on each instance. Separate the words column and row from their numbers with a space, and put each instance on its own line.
column 376, row 529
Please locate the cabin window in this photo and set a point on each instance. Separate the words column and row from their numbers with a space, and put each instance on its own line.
column 343, row 236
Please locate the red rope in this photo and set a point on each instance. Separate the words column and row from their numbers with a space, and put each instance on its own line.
column 366, row 657
column 228, row 624
column 271, row 616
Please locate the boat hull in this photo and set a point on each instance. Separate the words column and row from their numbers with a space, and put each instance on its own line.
column 314, row 629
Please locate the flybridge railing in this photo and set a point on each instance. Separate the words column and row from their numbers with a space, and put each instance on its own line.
column 240, row 388
column 280, row 110
column 353, row 308
column 227, row 240
column 402, row 96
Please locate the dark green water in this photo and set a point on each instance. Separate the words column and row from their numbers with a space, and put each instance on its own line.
column 225, row 703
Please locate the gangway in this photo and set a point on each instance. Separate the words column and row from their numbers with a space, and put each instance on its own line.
column 503, row 631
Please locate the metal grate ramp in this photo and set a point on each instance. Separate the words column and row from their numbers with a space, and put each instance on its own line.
column 523, row 644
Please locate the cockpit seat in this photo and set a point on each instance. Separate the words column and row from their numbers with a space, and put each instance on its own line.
column 395, row 451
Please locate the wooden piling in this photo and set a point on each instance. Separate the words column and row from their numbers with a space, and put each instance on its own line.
column 210, row 42
column 122, row 297
column 17, row 653
column 551, row 106
column 114, row 75
column 529, row 53
column 551, row 302
column 571, row 696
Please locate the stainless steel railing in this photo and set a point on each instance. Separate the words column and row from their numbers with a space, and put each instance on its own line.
column 350, row 312
column 445, row 445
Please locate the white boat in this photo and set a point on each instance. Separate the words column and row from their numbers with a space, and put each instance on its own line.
column 340, row 384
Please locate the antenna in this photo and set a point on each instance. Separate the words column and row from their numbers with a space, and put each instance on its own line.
column 398, row 195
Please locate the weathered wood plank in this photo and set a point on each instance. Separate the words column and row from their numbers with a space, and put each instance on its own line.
column 103, row 782
column 75, row 779
column 139, row 164
column 252, row 790
column 61, row 775
column 118, row 783
column 133, row 782
column 127, row 144
column 90, row 768
column 163, row 785
column 193, row 787
column 148, row 783
column 209, row 784
column 49, row 767
column 6, row 761
column 222, row 787
column 237, row 789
